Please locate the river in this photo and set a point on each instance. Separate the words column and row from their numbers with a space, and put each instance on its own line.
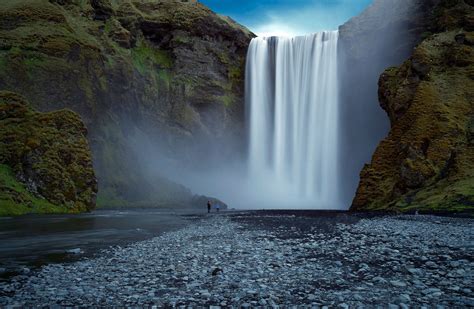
column 34, row 240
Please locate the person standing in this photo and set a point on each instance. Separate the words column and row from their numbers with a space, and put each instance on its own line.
column 217, row 207
column 208, row 206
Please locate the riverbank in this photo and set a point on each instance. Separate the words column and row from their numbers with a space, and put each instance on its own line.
column 259, row 259
column 31, row 241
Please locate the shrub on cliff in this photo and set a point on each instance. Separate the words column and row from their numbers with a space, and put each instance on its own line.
column 45, row 160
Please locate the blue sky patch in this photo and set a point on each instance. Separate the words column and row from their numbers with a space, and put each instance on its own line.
column 289, row 17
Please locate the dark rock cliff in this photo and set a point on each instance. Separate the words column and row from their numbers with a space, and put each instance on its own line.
column 426, row 161
column 45, row 160
column 383, row 35
column 163, row 73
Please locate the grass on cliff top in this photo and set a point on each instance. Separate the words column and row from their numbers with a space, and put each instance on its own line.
column 16, row 200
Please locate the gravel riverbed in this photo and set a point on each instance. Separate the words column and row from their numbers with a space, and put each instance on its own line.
column 253, row 260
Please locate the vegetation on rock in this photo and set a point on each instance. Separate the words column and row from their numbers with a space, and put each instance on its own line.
column 168, row 70
column 45, row 160
column 381, row 36
column 426, row 162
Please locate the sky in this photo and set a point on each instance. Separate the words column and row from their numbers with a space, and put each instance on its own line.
column 288, row 17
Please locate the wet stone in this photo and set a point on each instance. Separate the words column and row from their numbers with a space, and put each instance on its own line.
column 258, row 261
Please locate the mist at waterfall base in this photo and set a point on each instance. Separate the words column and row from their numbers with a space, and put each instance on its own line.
column 291, row 158
column 367, row 45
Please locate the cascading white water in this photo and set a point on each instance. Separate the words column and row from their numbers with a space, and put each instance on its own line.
column 292, row 111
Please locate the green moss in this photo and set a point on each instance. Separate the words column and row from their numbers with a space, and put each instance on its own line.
column 31, row 63
column 182, row 39
column 16, row 200
column 108, row 26
column 88, row 88
column 52, row 150
column 62, row 46
column 426, row 160
column 165, row 77
column 15, row 51
column 228, row 100
column 452, row 196
column 235, row 74
column 223, row 58
column 189, row 83
column 146, row 58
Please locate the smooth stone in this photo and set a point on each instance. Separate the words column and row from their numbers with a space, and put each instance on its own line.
column 25, row 270
column 398, row 283
column 358, row 297
column 430, row 291
column 404, row 298
column 415, row 271
column 379, row 279
column 74, row 251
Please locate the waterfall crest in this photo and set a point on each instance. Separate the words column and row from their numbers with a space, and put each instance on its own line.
column 293, row 119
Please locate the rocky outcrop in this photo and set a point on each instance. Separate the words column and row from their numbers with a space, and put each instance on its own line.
column 45, row 160
column 164, row 73
column 383, row 35
column 426, row 162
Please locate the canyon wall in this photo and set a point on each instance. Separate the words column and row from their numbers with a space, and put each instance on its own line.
column 158, row 81
column 426, row 161
column 383, row 35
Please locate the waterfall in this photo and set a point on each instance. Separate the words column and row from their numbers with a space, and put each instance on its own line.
column 292, row 116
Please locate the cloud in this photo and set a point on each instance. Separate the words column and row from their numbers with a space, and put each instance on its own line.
column 316, row 15
column 276, row 29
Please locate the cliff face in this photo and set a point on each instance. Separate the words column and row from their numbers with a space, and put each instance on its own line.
column 45, row 160
column 426, row 162
column 163, row 72
column 383, row 35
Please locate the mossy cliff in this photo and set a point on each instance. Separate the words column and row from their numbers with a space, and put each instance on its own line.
column 382, row 36
column 169, row 72
column 45, row 160
column 427, row 160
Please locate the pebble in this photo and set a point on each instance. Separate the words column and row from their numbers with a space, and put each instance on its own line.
column 229, row 261
column 404, row 298
column 74, row 251
column 398, row 283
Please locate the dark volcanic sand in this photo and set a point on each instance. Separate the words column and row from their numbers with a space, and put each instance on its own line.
column 272, row 258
